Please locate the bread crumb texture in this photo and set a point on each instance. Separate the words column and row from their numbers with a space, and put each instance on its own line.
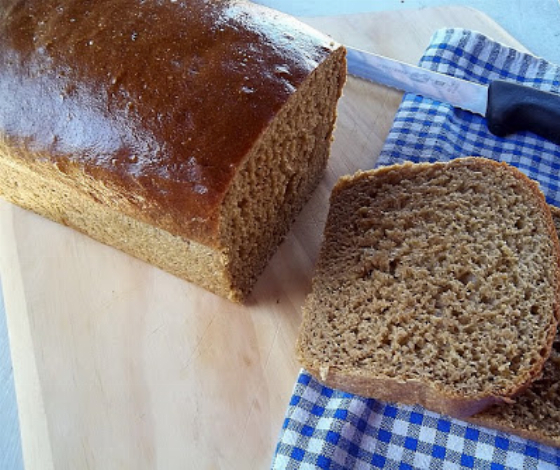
column 536, row 412
column 441, row 274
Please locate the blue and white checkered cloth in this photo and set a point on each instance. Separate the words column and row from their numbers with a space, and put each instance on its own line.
column 329, row 429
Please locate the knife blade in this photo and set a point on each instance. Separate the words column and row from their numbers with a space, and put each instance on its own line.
column 508, row 107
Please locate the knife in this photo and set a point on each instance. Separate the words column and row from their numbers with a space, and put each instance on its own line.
column 508, row 107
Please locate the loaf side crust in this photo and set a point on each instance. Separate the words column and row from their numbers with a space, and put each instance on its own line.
column 66, row 205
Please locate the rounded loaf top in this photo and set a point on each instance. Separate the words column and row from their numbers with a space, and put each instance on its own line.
column 160, row 100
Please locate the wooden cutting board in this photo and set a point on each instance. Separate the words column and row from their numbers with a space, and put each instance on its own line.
column 119, row 365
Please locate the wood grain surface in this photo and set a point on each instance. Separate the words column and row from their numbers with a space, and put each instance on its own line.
column 120, row 365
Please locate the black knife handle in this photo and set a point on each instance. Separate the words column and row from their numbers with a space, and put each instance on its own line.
column 512, row 108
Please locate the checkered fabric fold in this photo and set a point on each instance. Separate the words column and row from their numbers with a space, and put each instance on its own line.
column 329, row 429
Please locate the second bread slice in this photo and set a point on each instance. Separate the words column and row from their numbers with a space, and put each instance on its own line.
column 437, row 284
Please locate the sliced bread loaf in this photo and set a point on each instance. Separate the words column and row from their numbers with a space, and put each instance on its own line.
column 536, row 412
column 188, row 134
column 437, row 284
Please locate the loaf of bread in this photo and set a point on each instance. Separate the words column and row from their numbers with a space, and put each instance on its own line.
column 536, row 412
column 437, row 284
column 187, row 133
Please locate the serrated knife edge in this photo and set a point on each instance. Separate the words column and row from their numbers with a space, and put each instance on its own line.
column 412, row 79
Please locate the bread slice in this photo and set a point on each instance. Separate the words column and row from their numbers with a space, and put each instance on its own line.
column 536, row 412
column 437, row 284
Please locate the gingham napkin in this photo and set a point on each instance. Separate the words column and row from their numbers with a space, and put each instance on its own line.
column 329, row 429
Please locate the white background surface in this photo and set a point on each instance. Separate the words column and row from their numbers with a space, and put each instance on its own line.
column 535, row 23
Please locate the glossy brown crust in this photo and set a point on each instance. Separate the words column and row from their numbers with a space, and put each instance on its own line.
column 159, row 100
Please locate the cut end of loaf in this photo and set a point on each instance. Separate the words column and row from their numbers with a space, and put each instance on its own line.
column 444, row 275
column 279, row 176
